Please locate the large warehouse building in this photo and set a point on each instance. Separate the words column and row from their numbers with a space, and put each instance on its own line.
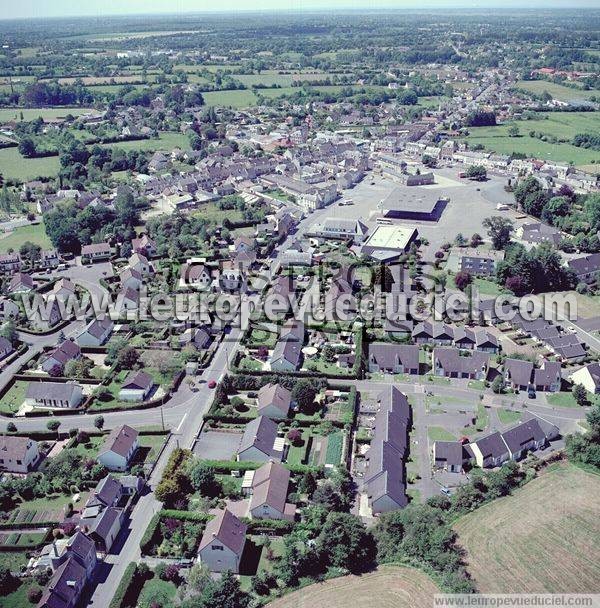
column 419, row 205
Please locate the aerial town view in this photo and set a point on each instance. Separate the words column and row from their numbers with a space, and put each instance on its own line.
column 299, row 304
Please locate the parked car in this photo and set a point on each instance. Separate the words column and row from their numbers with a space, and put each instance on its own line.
column 212, row 384
column 531, row 393
column 446, row 491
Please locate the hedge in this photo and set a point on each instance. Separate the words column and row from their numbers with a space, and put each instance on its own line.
column 185, row 515
column 119, row 599
column 147, row 539
column 226, row 466
column 276, row 526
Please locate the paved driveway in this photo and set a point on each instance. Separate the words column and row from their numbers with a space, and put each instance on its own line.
column 214, row 445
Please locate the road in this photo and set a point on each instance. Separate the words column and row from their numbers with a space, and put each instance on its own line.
column 183, row 436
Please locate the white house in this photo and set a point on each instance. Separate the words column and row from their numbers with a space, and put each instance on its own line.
column 222, row 543
column 18, row 454
column 118, row 448
column 96, row 333
column 588, row 377
column 137, row 387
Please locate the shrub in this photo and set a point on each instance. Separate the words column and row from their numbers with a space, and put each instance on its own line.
column 34, row 595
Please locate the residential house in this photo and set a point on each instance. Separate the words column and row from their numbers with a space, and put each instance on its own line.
column 6, row 348
column 517, row 374
column 64, row 289
column 53, row 395
column 269, row 493
column 588, row 377
column 452, row 456
column 195, row 275
column 136, row 387
column 9, row 262
column 547, row 377
column 96, row 333
column 222, row 544
column 49, row 258
column 385, row 477
column 538, row 232
column 65, row 587
column 341, row 228
column 144, row 245
column 586, row 268
column 260, row 442
column 451, row 363
column 274, row 401
column 18, row 454
column 433, row 333
column 131, row 279
column 490, row 451
column 96, row 252
column 21, row 283
column 57, row 358
column 196, row 337
column 118, row 448
column 8, row 309
column 140, row 264
column 394, row 358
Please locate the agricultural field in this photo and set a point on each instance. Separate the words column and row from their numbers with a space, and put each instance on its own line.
column 166, row 141
column 558, row 91
column 36, row 233
column 388, row 586
column 14, row 166
column 539, row 539
column 563, row 125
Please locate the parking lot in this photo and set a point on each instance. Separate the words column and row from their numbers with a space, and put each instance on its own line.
column 213, row 445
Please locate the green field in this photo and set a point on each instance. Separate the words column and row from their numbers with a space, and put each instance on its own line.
column 557, row 91
column 35, row 233
column 166, row 141
column 438, row 433
column 7, row 114
column 14, row 166
column 563, row 125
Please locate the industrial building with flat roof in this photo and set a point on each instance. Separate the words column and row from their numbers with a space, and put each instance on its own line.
column 389, row 242
column 403, row 203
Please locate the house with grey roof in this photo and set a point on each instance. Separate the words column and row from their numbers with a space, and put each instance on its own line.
column 385, row 477
column 269, row 490
column 452, row 456
column 96, row 333
column 490, row 451
column 586, row 268
column 136, row 387
column 258, row 442
column 222, row 544
column 393, row 358
column 65, row 587
column 274, row 401
column 547, row 377
column 18, row 454
column 451, row 363
column 118, row 448
column 517, row 373
column 53, row 395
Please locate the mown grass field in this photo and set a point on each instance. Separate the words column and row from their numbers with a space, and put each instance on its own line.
column 14, row 166
column 558, row 91
column 389, row 586
column 7, row 114
column 543, row 539
column 563, row 125
column 36, row 233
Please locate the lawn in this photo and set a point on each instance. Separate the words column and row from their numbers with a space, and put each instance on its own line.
column 14, row 166
column 7, row 114
column 482, row 421
column 400, row 587
column 563, row 125
column 18, row 598
column 166, row 141
column 335, row 444
column 508, row 416
column 153, row 445
column 438, row 433
column 159, row 592
column 558, row 91
column 235, row 99
column 543, row 539
column 211, row 213
column 36, row 233
column 562, row 399
column 14, row 397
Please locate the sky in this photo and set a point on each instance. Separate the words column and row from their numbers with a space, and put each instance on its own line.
column 9, row 9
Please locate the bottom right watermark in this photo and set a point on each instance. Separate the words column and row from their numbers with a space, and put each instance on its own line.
column 516, row 599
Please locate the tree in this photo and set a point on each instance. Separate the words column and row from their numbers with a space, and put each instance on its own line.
column 99, row 422
column 128, row 358
column 224, row 592
column 27, row 147
column 203, row 479
column 476, row 240
column 295, row 436
column 463, row 279
column 580, row 394
column 30, row 252
column 304, row 394
column 498, row 385
column 345, row 542
column 53, row 425
column 476, row 172
column 513, row 131
column 9, row 331
column 11, row 427
column 499, row 229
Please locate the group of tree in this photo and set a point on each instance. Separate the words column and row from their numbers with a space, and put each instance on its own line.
column 585, row 448
column 480, row 118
